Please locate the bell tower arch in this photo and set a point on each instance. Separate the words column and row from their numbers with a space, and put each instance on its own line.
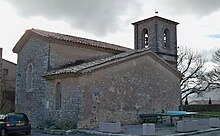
column 158, row 34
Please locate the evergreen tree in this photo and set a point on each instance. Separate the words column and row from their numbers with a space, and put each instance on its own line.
column 210, row 101
column 186, row 101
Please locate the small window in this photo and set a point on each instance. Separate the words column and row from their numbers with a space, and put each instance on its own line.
column 166, row 38
column 145, row 38
column 58, row 96
column 5, row 72
column 29, row 77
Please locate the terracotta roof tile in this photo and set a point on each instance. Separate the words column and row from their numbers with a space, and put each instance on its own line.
column 79, row 40
column 91, row 66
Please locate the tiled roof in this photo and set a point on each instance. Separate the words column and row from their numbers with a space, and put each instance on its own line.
column 79, row 40
column 97, row 64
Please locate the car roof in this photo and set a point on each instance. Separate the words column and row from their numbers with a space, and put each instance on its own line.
column 13, row 113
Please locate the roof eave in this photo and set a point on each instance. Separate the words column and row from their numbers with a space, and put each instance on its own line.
column 62, row 75
column 18, row 46
column 28, row 33
column 165, row 64
column 155, row 17
column 114, row 62
column 9, row 62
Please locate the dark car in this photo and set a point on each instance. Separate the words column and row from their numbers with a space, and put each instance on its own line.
column 14, row 123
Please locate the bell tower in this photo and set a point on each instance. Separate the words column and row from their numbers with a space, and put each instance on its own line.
column 158, row 34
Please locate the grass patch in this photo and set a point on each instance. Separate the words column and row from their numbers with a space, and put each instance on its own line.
column 210, row 113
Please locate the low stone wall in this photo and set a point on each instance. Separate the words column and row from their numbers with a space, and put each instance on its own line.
column 206, row 107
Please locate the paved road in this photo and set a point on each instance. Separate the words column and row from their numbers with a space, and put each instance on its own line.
column 33, row 133
column 36, row 132
column 214, row 133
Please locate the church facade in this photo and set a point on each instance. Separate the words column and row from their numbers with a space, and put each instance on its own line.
column 67, row 81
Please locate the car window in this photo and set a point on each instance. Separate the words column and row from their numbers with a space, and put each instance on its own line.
column 2, row 116
column 17, row 117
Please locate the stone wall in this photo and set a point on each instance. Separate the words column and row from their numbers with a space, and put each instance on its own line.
column 32, row 102
column 152, row 33
column 7, row 84
column 11, row 75
column 9, row 79
column 118, row 93
column 155, row 33
column 202, row 107
column 44, row 56
column 63, row 54
column 156, row 29
column 68, row 115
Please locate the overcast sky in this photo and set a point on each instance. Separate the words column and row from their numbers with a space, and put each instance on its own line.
column 109, row 20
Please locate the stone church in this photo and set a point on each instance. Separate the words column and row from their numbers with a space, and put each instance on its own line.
column 68, row 81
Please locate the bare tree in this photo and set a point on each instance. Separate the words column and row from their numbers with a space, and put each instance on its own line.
column 191, row 65
column 216, row 57
column 214, row 75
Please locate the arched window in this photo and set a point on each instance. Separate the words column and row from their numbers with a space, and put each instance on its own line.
column 29, row 77
column 58, row 96
column 166, row 38
column 145, row 38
